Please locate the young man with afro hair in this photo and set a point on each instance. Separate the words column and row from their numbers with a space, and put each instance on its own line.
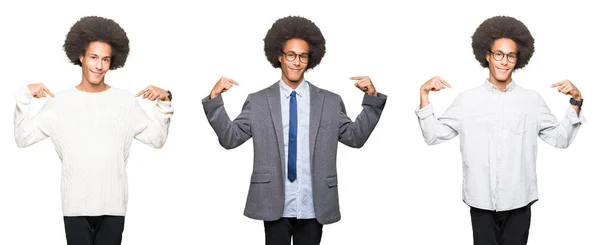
column 92, row 126
column 498, row 123
column 296, row 127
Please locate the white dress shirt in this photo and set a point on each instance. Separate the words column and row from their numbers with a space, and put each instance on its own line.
column 498, row 140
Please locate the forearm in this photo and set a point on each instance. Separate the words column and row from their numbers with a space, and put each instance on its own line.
column 355, row 134
column 156, row 130
column 436, row 130
column 26, row 129
column 562, row 134
column 231, row 134
column 424, row 98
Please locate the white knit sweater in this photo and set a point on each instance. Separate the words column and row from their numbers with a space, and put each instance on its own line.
column 92, row 134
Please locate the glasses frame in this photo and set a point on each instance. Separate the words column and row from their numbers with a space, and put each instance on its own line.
column 493, row 53
column 285, row 55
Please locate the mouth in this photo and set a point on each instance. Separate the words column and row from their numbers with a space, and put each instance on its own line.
column 503, row 70
column 97, row 73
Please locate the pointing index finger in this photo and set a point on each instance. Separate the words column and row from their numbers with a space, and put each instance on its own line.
column 141, row 92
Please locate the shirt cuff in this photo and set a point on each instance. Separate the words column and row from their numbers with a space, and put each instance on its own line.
column 164, row 107
column 573, row 118
column 23, row 95
column 424, row 112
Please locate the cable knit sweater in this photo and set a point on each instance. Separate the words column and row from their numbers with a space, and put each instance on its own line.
column 92, row 134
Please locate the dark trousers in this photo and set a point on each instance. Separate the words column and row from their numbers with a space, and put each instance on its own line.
column 94, row 230
column 303, row 231
column 501, row 228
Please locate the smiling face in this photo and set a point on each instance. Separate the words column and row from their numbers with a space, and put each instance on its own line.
column 292, row 72
column 95, row 63
column 501, row 70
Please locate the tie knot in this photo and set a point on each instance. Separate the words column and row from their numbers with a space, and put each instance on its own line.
column 293, row 94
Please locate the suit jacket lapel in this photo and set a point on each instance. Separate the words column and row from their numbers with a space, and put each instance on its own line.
column 274, row 100
column 316, row 108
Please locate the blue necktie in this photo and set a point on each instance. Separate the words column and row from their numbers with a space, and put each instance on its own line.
column 292, row 142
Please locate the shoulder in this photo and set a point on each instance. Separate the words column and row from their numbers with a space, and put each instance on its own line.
column 527, row 92
column 326, row 93
column 264, row 92
column 121, row 94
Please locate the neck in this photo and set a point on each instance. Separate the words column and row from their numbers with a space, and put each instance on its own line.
column 292, row 84
column 86, row 86
column 501, row 85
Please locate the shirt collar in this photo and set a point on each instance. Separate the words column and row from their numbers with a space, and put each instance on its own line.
column 492, row 88
column 302, row 89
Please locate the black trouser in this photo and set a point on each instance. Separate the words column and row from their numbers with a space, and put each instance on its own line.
column 501, row 228
column 304, row 231
column 94, row 230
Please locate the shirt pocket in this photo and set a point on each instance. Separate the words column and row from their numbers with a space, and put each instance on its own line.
column 517, row 123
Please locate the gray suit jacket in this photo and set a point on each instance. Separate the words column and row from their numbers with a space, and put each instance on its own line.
column 261, row 119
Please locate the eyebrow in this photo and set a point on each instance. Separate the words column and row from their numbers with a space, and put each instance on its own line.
column 295, row 52
column 92, row 54
column 505, row 53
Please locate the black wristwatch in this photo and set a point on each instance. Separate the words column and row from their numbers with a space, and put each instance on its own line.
column 170, row 96
column 576, row 102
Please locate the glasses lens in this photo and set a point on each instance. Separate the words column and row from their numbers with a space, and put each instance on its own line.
column 290, row 56
column 304, row 58
column 512, row 58
column 498, row 55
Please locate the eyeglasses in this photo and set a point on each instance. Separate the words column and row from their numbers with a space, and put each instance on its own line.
column 499, row 55
column 291, row 56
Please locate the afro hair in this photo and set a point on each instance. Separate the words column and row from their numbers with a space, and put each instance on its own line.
column 503, row 27
column 93, row 28
column 294, row 27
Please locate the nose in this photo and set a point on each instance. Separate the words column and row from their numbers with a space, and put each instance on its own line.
column 504, row 60
column 99, row 65
column 297, row 61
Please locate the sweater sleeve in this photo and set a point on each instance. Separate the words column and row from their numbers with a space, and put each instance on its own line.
column 152, row 131
column 30, row 130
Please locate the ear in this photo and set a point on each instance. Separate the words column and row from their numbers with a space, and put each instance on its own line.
column 280, row 59
column 487, row 56
column 81, row 58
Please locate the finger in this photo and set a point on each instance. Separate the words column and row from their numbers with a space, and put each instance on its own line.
column 557, row 84
column 563, row 90
column 47, row 90
column 50, row 93
column 234, row 82
column 562, row 87
column 445, row 83
column 364, row 85
column 357, row 78
column 141, row 92
column 568, row 88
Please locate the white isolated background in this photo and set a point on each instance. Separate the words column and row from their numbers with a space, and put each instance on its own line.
column 395, row 190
